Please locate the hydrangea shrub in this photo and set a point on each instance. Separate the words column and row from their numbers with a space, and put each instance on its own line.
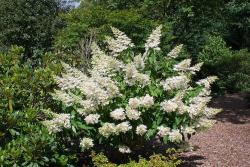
column 126, row 98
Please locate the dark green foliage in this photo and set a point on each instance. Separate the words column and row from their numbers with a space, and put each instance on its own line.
column 192, row 20
column 237, row 28
column 27, row 23
column 25, row 142
column 232, row 67
column 22, row 85
column 95, row 21
column 23, row 90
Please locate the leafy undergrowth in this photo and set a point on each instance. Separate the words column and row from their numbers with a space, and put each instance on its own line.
column 156, row 160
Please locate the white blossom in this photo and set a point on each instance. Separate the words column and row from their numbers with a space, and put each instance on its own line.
column 194, row 110
column 107, row 84
column 139, row 62
column 176, row 82
column 86, row 143
column 59, row 122
column 175, row 52
column 134, row 103
column 188, row 130
column 133, row 114
column 103, row 64
column 207, row 81
column 173, row 104
column 147, row 101
column 205, row 92
column 71, row 79
column 120, row 43
column 98, row 89
column 107, row 129
column 141, row 129
column 196, row 67
column 142, row 79
column 123, row 127
column 118, row 114
column 169, row 106
column 163, row 131
column 133, row 77
column 124, row 149
column 204, row 100
column 130, row 70
column 92, row 118
column 154, row 39
column 64, row 97
column 205, row 123
column 175, row 136
column 183, row 66
column 197, row 105
column 88, row 106
column 209, row 112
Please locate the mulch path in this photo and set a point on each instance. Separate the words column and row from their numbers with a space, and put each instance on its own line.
column 227, row 143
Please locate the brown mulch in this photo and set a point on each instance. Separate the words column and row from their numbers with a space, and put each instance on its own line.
column 227, row 143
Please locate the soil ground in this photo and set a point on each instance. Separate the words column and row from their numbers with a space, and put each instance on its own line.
column 227, row 143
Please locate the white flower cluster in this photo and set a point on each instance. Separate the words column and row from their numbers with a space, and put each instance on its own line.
column 145, row 101
column 103, row 64
column 134, row 103
column 118, row 114
column 123, row 127
column 133, row 76
column 58, row 122
column 207, row 81
column 197, row 105
column 176, row 82
column 174, row 104
column 210, row 112
column 106, row 84
column 173, row 135
column 188, row 130
column 124, row 149
column 141, row 129
column 92, row 119
column 86, row 143
column 163, row 131
column 109, row 129
column 98, row 89
column 169, row 105
column 154, row 39
column 120, row 43
column 205, row 123
column 64, row 97
column 133, row 114
column 185, row 66
column 175, row 52
column 71, row 79
column 139, row 62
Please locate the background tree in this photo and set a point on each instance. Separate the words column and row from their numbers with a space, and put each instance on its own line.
column 28, row 23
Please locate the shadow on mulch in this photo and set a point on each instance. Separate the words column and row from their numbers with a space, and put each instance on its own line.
column 236, row 108
column 192, row 161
